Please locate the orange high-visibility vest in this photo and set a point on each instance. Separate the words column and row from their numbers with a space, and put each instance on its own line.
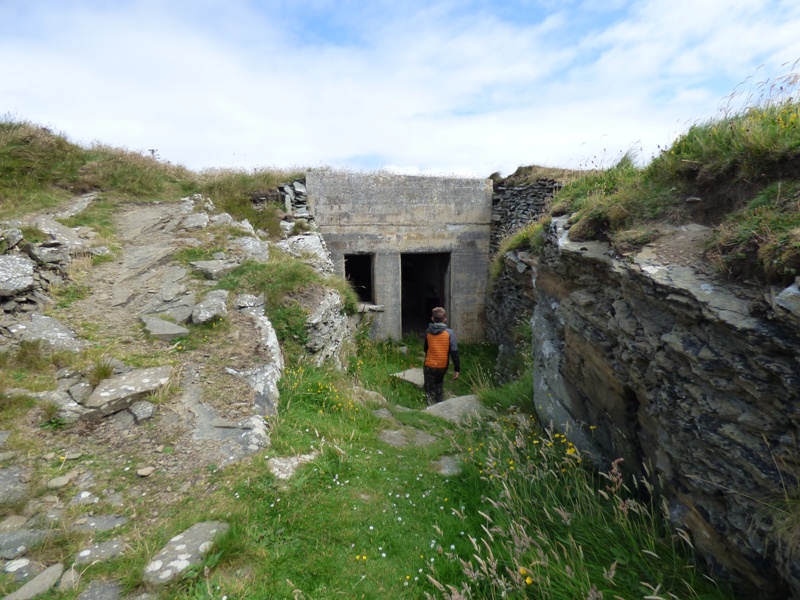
column 438, row 350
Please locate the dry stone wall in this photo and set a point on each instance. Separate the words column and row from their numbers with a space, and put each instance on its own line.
column 511, row 297
column 514, row 206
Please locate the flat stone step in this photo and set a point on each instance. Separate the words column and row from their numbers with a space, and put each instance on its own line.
column 414, row 376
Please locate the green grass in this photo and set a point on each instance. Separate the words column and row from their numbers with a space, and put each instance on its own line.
column 367, row 520
column 232, row 192
column 763, row 239
column 98, row 216
column 285, row 282
column 40, row 169
column 32, row 365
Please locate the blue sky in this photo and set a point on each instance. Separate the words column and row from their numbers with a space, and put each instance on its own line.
column 464, row 87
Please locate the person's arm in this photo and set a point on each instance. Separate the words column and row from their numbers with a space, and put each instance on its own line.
column 454, row 355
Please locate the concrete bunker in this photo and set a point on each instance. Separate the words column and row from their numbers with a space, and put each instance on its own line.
column 408, row 243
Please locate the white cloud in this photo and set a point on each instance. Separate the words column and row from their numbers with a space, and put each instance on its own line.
column 429, row 88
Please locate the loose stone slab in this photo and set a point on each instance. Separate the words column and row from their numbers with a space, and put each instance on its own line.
column 142, row 410
column 283, row 467
column 253, row 248
column 99, row 552
column 414, row 376
column 47, row 330
column 423, row 439
column 13, row 523
column 448, row 466
column 40, row 584
column 16, row 275
column 69, row 580
column 161, row 329
column 23, row 569
column 395, row 437
column 118, row 393
column 183, row 551
column 212, row 307
column 17, row 543
column 459, row 409
column 14, row 485
column 195, row 221
column 214, row 269
column 101, row 590
column 99, row 523
column 68, row 409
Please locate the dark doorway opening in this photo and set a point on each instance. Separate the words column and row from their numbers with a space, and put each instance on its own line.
column 358, row 270
column 425, row 280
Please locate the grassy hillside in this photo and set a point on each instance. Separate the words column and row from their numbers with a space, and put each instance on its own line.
column 39, row 169
column 738, row 173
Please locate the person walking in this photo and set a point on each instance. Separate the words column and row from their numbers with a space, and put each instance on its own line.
column 440, row 346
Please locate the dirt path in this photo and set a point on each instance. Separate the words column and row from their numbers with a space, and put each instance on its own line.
column 184, row 441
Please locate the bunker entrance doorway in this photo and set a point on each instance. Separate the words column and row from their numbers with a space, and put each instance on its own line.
column 358, row 269
column 425, row 281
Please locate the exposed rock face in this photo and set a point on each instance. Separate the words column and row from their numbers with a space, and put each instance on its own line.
column 328, row 327
column 676, row 374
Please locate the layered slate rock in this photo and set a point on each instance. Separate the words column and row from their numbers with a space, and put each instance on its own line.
column 195, row 221
column 48, row 330
column 16, row 275
column 101, row 590
column 14, row 544
column 666, row 364
column 69, row 410
column 253, row 248
column 183, row 551
column 328, row 327
column 118, row 393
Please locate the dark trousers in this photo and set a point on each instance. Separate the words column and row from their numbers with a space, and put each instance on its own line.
column 434, row 380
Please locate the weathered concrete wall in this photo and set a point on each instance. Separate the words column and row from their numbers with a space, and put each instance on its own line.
column 676, row 372
column 389, row 215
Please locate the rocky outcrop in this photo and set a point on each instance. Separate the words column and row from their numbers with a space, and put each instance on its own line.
column 328, row 329
column 676, row 371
